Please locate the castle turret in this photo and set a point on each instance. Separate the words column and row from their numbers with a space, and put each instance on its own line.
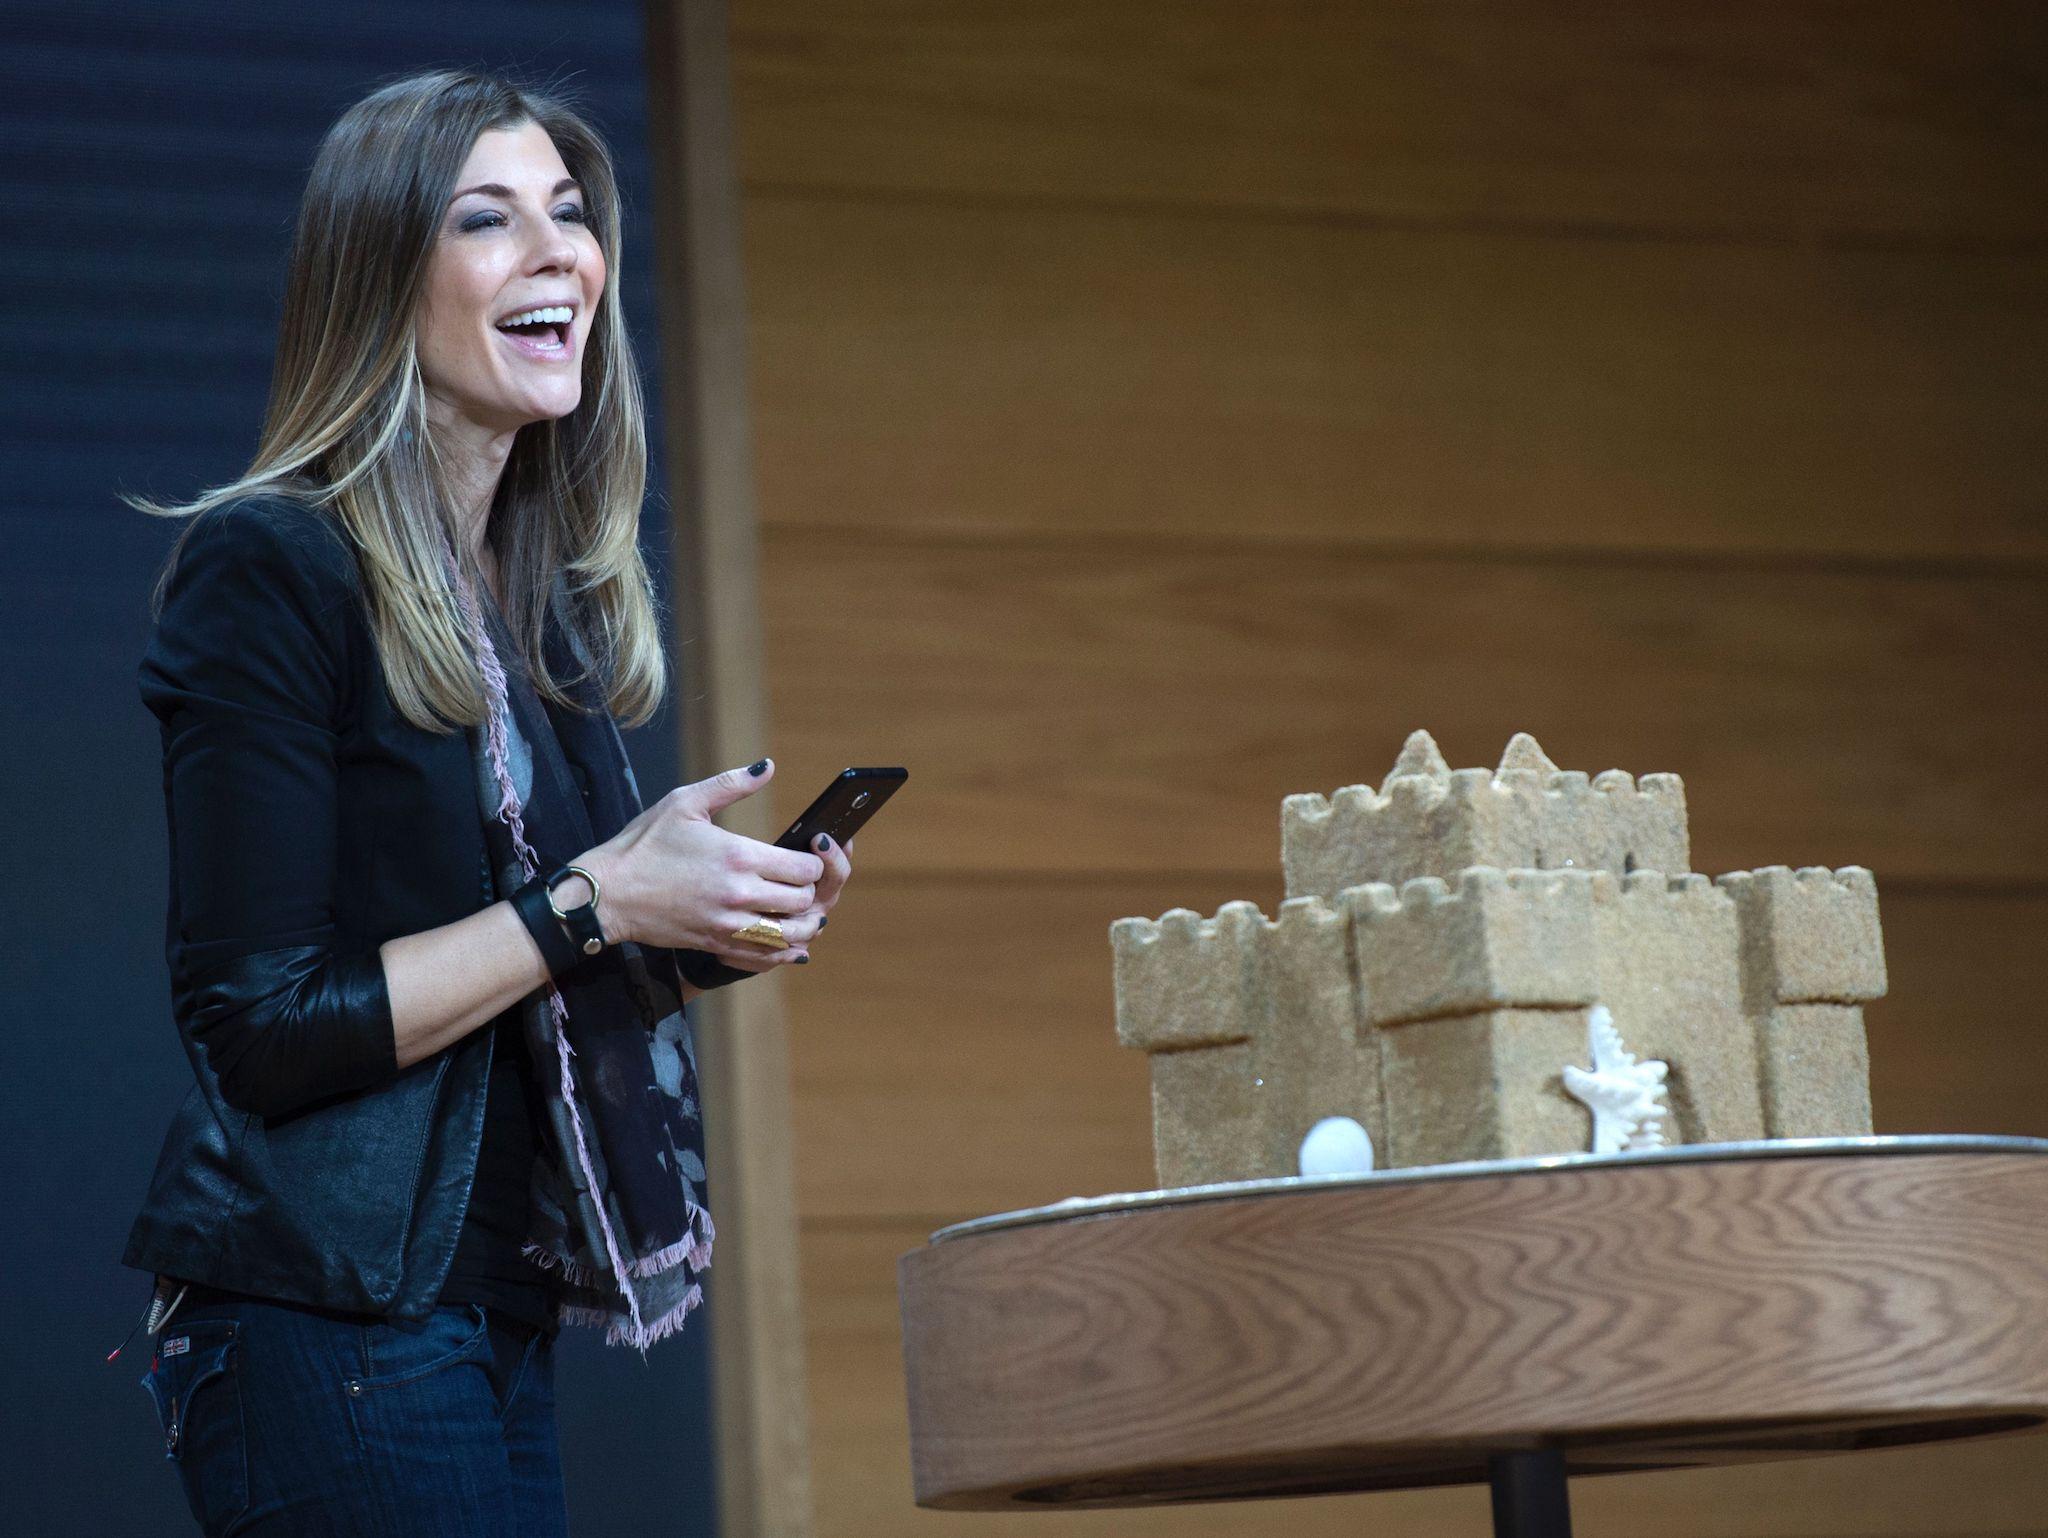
column 1812, row 957
column 1254, row 1034
column 1187, row 992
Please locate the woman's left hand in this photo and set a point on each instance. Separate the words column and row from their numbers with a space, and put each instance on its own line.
column 838, row 867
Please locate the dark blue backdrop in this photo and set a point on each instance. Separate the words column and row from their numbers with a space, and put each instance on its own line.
column 155, row 155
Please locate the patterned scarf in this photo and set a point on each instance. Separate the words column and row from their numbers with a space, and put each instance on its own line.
column 617, row 1191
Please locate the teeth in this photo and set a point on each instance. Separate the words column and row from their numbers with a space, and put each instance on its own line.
column 559, row 315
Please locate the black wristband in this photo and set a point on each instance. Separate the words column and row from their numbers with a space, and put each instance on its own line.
column 530, row 902
column 585, row 933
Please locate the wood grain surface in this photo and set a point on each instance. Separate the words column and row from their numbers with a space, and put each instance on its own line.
column 1388, row 1336
column 1746, row 119
column 962, row 368
column 1971, row 1489
column 1145, row 706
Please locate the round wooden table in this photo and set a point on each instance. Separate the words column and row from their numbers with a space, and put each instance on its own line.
column 1510, row 1322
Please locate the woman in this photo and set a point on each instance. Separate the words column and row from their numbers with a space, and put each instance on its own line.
column 429, row 955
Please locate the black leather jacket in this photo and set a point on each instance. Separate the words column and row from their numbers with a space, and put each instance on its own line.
column 309, row 822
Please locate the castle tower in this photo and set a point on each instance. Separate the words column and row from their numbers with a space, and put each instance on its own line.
column 1812, row 957
column 1438, row 961
column 1253, row 1030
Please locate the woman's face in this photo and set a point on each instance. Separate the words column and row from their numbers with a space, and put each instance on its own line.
column 512, row 240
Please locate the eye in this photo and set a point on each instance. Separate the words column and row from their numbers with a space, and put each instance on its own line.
column 492, row 219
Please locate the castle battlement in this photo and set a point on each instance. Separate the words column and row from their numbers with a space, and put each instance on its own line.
column 1305, row 925
column 1427, row 819
column 1193, row 981
column 1686, row 886
column 1475, row 883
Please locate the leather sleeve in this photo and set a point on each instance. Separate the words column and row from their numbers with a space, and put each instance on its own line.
column 246, row 672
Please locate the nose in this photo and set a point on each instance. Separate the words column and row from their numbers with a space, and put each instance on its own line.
column 553, row 250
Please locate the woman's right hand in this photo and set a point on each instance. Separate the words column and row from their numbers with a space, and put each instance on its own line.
column 672, row 877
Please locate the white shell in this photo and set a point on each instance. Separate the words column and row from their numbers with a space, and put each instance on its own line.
column 1626, row 1097
column 1336, row 1145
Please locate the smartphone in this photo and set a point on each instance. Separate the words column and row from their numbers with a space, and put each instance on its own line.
column 841, row 810
column 843, row 807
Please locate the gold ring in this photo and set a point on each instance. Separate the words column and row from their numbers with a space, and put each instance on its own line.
column 764, row 932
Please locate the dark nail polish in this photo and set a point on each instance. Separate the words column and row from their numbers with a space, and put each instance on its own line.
column 803, row 961
column 824, row 843
column 822, row 922
column 758, row 769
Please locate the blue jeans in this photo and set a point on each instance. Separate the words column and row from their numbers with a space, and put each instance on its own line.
column 282, row 1419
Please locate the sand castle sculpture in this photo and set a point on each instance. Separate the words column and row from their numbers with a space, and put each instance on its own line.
column 1490, row 964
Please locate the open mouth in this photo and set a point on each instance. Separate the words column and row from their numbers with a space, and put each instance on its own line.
column 545, row 340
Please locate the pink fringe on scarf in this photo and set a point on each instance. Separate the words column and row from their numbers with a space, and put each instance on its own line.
column 619, row 1331
column 695, row 1247
column 637, row 1332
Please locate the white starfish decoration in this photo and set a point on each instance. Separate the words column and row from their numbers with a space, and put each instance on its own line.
column 1626, row 1097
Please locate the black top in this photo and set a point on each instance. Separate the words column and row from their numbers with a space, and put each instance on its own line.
column 488, row 1267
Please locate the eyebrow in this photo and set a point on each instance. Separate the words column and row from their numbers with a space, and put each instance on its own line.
column 500, row 190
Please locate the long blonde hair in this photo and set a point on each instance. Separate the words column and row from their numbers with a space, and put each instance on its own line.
column 346, row 426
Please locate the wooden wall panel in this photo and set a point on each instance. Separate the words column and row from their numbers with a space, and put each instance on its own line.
column 752, row 1304
column 1136, row 706
column 959, row 369
column 1889, row 119
column 953, row 368
column 957, row 1055
column 1969, row 1490
column 1959, row 1045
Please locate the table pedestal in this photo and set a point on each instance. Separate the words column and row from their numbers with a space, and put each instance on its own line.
column 1530, row 1497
